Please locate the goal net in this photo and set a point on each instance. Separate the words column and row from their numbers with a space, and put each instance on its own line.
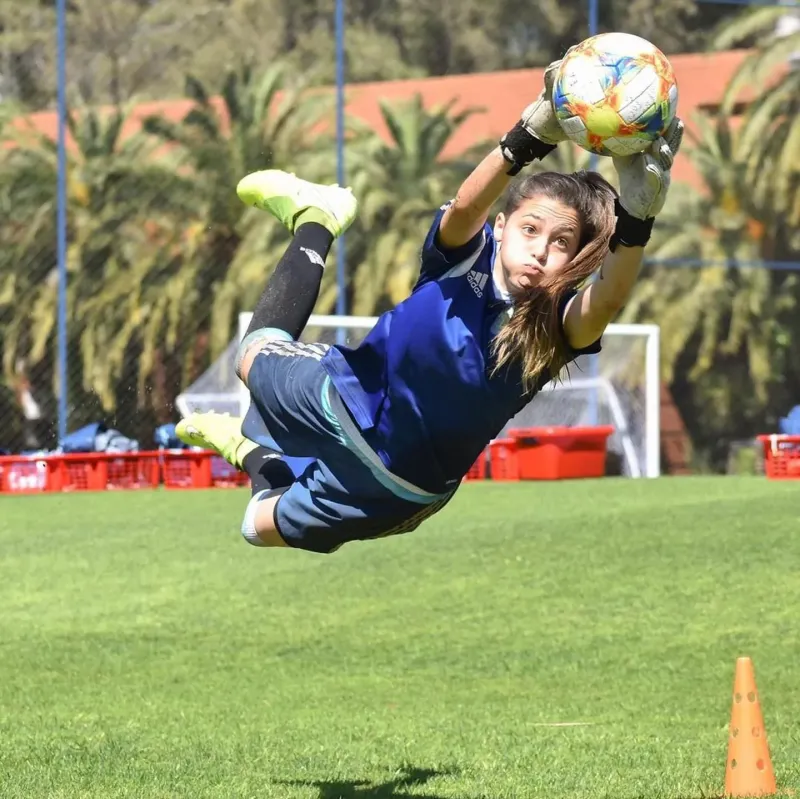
column 617, row 387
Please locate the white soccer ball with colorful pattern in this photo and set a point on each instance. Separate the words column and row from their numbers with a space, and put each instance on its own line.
column 614, row 94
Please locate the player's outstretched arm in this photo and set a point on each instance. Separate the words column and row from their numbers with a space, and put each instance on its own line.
column 644, row 180
column 535, row 135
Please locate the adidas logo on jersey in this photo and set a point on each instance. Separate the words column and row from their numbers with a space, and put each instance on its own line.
column 477, row 280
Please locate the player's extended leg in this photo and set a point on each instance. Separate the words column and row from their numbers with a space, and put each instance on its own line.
column 316, row 215
column 269, row 474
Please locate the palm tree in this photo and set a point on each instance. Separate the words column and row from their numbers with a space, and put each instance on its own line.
column 160, row 249
column 400, row 183
column 257, row 122
column 726, row 329
column 770, row 133
column 114, row 187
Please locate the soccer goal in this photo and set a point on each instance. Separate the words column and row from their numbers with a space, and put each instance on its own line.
column 618, row 387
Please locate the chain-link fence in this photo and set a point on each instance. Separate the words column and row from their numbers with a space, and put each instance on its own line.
column 170, row 105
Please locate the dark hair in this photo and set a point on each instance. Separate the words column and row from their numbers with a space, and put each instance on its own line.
column 534, row 333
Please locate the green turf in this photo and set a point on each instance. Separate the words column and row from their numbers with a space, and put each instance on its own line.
column 147, row 651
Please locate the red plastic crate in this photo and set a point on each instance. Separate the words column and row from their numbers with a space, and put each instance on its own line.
column 199, row 469
column 82, row 472
column 558, row 453
column 504, row 463
column 781, row 456
column 25, row 475
column 223, row 475
column 186, row 468
column 478, row 469
column 133, row 470
column 103, row 471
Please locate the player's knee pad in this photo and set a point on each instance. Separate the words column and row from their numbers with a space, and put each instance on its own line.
column 255, row 339
column 249, row 522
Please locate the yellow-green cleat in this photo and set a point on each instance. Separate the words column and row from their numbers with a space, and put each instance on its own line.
column 292, row 200
column 217, row 431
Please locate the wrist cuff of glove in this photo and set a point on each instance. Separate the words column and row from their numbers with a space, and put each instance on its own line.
column 630, row 231
column 519, row 148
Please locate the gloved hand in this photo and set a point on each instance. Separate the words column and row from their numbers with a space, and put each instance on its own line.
column 538, row 131
column 539, row 118
column 644, row 178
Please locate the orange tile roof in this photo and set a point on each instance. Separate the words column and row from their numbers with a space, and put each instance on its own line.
column 502, row 95
column 701, row 78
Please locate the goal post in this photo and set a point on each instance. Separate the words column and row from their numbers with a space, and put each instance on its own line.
column 620, row 386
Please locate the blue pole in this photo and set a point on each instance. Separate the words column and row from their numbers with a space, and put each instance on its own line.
column 593, row 17
column 61, row 216
column 594, row 360
column 593, row 26
column 341, row 284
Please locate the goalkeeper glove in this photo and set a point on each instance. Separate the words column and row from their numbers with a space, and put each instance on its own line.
column 538, row 132
column 644, row 180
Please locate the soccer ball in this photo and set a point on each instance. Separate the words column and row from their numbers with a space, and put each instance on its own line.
column 614, row 94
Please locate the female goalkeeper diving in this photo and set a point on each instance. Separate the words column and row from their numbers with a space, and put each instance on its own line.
column 395, row 423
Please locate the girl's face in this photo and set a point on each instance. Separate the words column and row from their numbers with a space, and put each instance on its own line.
column 535, row 243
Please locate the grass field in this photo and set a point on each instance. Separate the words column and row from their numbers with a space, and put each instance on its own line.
column 148, row 652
